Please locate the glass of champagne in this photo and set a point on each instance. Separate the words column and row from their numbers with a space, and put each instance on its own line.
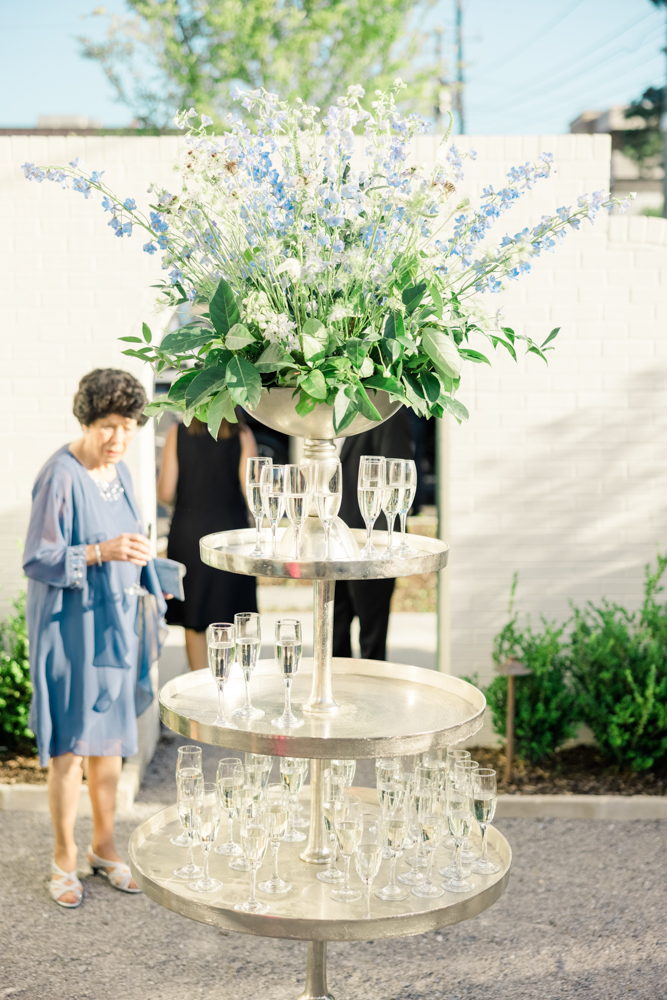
column 248, row 641
column 395, row 804
column 254, row 840
column 189, row 761
column 297, row 500
column 293, row 773
column 451, row 757
column 272, row 482
column 370, row 491
column 254, row 497
column 242, row 796
column 392, row 496
column 368, row 856
column 258, row 769
column 485, row 796
column 464, row 771
column 328, row 490
column 333, row 788
column 459, row 819
column 344, row 770
column 208, row 818
column 277, row 808
column 221, row 655
column 229, row 778
column 348, row 826
column 430, row 829
column 288, row 658
column 189, row 789
column 407, row 496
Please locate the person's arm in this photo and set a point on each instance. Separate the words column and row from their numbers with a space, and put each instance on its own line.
column 168, row 478
column 248, row 450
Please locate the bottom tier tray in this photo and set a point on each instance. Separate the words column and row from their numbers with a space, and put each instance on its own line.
column 307, row 912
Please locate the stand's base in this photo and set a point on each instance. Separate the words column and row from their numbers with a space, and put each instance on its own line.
column 316, row 973
column 343, row 544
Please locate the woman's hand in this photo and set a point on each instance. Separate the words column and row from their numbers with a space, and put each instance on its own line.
column 125, row 548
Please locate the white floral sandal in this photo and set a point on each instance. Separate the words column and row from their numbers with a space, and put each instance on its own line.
column 117, row 873
column 66, row 882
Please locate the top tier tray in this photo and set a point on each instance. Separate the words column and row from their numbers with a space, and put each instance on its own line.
column 230, row 550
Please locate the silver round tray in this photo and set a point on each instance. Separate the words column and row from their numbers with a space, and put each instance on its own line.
column 386, row 709
column 307, row 912
column 230, row 550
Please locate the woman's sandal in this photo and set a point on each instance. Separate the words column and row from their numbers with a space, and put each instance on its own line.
column 119, row 876
column 66, row 882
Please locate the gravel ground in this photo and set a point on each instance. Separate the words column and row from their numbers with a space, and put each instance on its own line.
column 584, row 916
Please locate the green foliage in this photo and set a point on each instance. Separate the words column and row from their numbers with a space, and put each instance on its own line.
column 619, row 665
column 545, row 710
column 644, row 144
column 15, row 686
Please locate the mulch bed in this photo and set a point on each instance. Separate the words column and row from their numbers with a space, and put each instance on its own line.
column 21, row 768
column 579, row 770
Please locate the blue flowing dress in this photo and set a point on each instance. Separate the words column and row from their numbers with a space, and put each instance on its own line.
column 91, row 642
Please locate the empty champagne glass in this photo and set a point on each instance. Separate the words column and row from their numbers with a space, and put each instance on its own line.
column 370, row 492
column 391, row 499
column 242, row 796
column 297, row 500
column 254, row 840
column 189, row 789
column 208, row 817
column 253, row 488
column 485, row 796
column 333, row 788
column 293, row 771
column 395, row 803
column 189, row 761
column 348, row 826
column 459, row 819
column 272, row 482
column 277, row 807
column 229, row 778
column 368, row 856
column 328, row 490
column 407, row 496
column 288, row 658
column 221, row 655
column 248, row 641
column 344, row 769
column 430, row 829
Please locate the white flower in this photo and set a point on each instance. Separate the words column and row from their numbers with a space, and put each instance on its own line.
column 340, row 312
column 291, row 267
column 279, row 330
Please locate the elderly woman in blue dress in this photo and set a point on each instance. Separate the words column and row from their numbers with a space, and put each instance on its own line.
column 91, row 640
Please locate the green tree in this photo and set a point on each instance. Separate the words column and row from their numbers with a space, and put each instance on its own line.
column 644, row 144
column 173, row 54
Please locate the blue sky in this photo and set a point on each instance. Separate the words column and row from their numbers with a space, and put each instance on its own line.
column 531, row 65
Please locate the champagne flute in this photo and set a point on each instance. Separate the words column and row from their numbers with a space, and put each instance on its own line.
column 392, row 496
column 395, row 804
column 242, row 796
column 348, row 826
column 430, row 828
column 334, row 788
column 253, row 488
column 288, row 658
column 485, row 796
column 254, row 840
column 451, row 757
column 293, row 773
column 386, row 769
column 421, row 789
column 297, row 500
column 408, row 495
column 277, row 806
column 189, row 789
column 208, row 817
column 459, row 819
column 258, row 769
column 188, row 760
column 464, row 771
column 344, row 770
column 370, row 491
column 221, row 655
column 328, row 495
column 272, row 482
column 368, row 856
column 248, row 641
column 229, row 778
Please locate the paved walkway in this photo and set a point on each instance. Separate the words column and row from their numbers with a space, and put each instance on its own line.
column 584, row 916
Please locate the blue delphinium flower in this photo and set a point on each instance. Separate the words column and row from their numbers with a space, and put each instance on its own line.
column 130, row 204
column 149, row 248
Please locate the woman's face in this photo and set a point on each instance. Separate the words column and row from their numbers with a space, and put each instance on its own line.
column 107, row 438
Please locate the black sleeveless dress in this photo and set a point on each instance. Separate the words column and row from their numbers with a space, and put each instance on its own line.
column 208, row 498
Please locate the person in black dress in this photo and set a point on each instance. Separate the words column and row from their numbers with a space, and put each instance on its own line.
column 203, row 479
column 367, row 600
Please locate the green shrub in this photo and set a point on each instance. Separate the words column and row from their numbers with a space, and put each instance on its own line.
column 619, row 665
column 15, row 686
column 545, row 709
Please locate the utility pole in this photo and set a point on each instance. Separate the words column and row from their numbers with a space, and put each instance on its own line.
column 663, row 126
column 459, row 66
column 443, row 95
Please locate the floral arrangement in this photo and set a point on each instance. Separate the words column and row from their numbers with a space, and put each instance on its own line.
column 309, row 264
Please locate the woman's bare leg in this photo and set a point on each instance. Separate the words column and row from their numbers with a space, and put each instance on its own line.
column 64, row 784
column 196, row 648
column 103, row 774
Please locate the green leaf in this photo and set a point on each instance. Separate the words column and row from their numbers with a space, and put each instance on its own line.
column 222, row 407
column 506, row 345
column 356, row 351
column 224, row 308
column 305, row 405
column 391, row 349
column 206, row 383
column 431, row 386
column 442, row 351
column 412, row 296
column 273, row 359
column 313, row 328
column 238, row 337
column 388, row 383
column 132, row 340
column 313, row 350
column 437, row 300
column 146, row 331
column 218, row 356
column 534, row 349
column 315, row 385
column 457, row 409
column 475, row 356
column 367, row 368
column 244, row 382
column 365, row 406
column 142, row 354
column 160, row 405
column 554, row 333
column 184, row 340
column 178, row 388
column 345, row 409
column 414, row 394
column 509, row 333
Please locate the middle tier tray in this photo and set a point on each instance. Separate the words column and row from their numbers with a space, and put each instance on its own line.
column 385, row 710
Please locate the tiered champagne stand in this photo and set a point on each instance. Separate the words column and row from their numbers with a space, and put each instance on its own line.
column 352, row 709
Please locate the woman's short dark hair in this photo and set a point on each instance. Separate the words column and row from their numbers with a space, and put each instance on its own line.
column 109, row 390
